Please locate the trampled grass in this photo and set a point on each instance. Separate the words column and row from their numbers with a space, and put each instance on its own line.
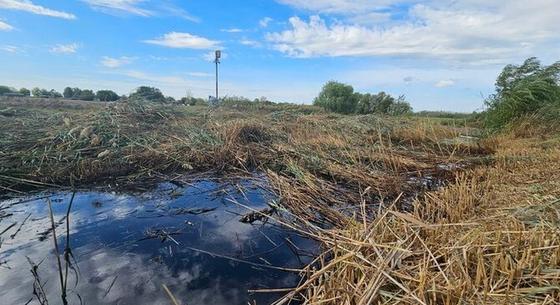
column 409, row 210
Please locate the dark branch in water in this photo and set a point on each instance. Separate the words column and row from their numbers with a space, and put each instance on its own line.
column 57, row 253
column 20, row 226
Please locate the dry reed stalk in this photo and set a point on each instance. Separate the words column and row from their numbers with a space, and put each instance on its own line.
column 485, row 239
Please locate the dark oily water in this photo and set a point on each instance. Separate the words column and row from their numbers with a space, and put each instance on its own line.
column 127, row 247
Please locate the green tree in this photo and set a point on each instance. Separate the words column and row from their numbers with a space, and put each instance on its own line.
column 192, row 101
column 68, row 93
column 382, row 103
column 521, row 90
column 24, row 92
column 149, row 94
column 400, row 107
column 87, row 95
column 36, row 92
column 6, row 89
column 337, row 97
column 364, row 103
column 53, row 94
column 107, row 96
column 76, row 93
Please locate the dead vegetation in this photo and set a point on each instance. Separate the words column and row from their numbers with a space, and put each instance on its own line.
column 368, row 188
column 491, row 237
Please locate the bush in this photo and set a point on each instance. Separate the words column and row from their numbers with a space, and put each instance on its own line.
column 107, row 96
column 149, row 94
column 193, row 101
column 337, row 97
column 6, row 89
column 38, row 92
column 341, row 98
column 523, row 90
column 24, row 92
column 68, row 92
column 86, row 95
column 400, row 107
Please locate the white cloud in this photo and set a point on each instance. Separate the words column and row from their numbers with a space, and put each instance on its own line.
column 65, row 48
column 28, row 6
column 483, row 32
column 167, row 8
column 338, row 6
column 265, row 21
column 5, row 27
column 183, row 40
column 10, row 49
column 249, row 42
column 445, row 83
column 111, row 62
column 232, row 30
column 122, row 6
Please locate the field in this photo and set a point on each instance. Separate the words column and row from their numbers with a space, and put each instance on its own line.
column 409, row 210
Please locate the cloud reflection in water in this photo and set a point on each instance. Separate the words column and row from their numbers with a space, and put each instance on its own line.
column 119, row 263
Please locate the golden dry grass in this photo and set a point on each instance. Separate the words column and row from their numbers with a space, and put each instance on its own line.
column 491, row 237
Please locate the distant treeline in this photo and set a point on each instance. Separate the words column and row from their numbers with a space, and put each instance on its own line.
column 529, row 89
column 69, row 93
column 341, row 98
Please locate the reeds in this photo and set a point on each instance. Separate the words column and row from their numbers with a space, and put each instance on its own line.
column 488, row 238
column 485, row 238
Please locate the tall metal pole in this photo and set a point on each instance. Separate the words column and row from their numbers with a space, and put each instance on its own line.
column 217, row 61
column 217, row 88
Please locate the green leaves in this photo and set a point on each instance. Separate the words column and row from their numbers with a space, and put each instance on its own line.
column 341, row 98
column 523, row 90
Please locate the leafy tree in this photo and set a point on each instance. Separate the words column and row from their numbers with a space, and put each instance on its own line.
column 382, row 103
column 521, row 90
column 87, row 95
column 36, row 92
column 68, row 92
column 107, row 96
column 400, row 107
column 192, row 101
column 24, row 92
column 76, row 94
column 364, row 104
column 337, row 97
column 53, row 93
column 6, row 89
column 149, row 94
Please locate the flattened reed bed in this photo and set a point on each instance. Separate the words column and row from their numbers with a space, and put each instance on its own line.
column 453, row 248
column 132, row 141
column 490, row 237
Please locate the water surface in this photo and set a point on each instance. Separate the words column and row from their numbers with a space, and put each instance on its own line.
column 127, row 246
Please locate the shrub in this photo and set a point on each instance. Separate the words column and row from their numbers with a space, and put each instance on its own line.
column 341, row 98
column 6, row 89
column 25, row 92
column 400, row 107
column 86, row 95
column 523, row 90
column 149, row 94
column 107, row 96
column 337, row 97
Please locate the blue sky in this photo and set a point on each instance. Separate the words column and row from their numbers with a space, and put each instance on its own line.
column 443, row 55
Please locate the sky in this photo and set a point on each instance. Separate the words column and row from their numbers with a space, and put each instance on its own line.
column 442, row 55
